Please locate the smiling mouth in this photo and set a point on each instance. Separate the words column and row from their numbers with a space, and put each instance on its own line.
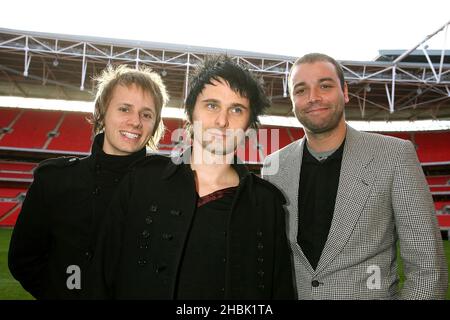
column 315, row 110
column 130, row 135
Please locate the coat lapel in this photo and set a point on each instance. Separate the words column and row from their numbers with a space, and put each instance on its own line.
column 290, row 172
column 355, row 183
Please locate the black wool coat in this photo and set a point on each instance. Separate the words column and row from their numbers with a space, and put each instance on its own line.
column 143, row 244
column 57, row 228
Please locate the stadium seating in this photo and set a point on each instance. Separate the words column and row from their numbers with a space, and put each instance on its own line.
column 30, row 130
column 444, row 221
column 8, row 115
column 442, row 207
column 439, row 184
column 171, row 135
column 10, row 203
column 16, row 171
column 61, row 133
column 433, row 147
column 74, row 134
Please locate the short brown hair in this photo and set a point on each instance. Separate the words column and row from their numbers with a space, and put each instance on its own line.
column 143, row 77
column 315, row 57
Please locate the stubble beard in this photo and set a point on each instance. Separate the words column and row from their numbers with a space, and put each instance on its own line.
column 324, row 126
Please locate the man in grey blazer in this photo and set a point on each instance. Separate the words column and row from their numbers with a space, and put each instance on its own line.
column 351, row 197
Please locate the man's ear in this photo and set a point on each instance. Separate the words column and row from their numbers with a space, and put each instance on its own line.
column 345, row 89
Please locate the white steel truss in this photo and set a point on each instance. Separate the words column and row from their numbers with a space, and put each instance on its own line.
column 389, row 85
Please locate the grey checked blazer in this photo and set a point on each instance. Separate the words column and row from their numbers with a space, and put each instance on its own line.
column 382, row 197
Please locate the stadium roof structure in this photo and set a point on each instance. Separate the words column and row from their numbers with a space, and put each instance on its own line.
column 398, row 85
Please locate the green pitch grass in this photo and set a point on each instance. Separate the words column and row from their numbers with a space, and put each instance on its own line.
column 10, row 289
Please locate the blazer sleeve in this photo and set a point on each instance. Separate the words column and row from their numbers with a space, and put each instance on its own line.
column 30, row 241
column 421, row 247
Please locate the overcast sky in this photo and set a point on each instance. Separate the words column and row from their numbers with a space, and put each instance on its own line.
column 345, row 29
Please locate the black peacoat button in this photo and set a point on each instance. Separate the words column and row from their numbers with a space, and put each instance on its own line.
column 148, row 220
column 261, row 273
column 145, row 234
column 88, row 255
column 153, row 208
column 96, row 191
column 260, row 246
column 261, row 287
column 259, row 234
column 142, row 262
column 175, row 212
column 260, row 259
column 315, row 283
column 167, row 236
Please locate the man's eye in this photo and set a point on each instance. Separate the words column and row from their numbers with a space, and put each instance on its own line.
column 124, row 109
column 237, row 110
column 299, row 91
column 147, row 115
column 211, row 106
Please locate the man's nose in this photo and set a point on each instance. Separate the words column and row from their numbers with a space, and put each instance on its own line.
column 222, row 119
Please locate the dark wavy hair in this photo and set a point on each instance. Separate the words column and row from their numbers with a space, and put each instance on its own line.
column 240, row 80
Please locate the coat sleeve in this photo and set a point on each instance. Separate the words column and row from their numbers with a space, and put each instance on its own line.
column 105, row 262
column 421, row 244
column 283, row 285
column 30, row 241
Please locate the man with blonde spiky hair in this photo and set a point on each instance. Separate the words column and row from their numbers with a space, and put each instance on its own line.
column 54, row 237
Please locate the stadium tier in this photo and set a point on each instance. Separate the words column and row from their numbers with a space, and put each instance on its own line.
column 57, row 133
column 16, row 171
column 10, row 203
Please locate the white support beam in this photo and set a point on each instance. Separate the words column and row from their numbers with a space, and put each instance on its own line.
column 83, row 68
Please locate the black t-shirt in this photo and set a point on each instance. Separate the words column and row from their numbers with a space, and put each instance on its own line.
column 202, row 272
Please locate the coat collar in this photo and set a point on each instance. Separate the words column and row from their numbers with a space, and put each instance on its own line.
column 112, row 162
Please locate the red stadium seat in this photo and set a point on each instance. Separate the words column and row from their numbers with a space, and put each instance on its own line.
column 168, row 141
column 16, row 171
column 9, row 211
column 8, row 115
column 31, row 129
column 74, row 134
column 433, row 146
column 443, row 221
